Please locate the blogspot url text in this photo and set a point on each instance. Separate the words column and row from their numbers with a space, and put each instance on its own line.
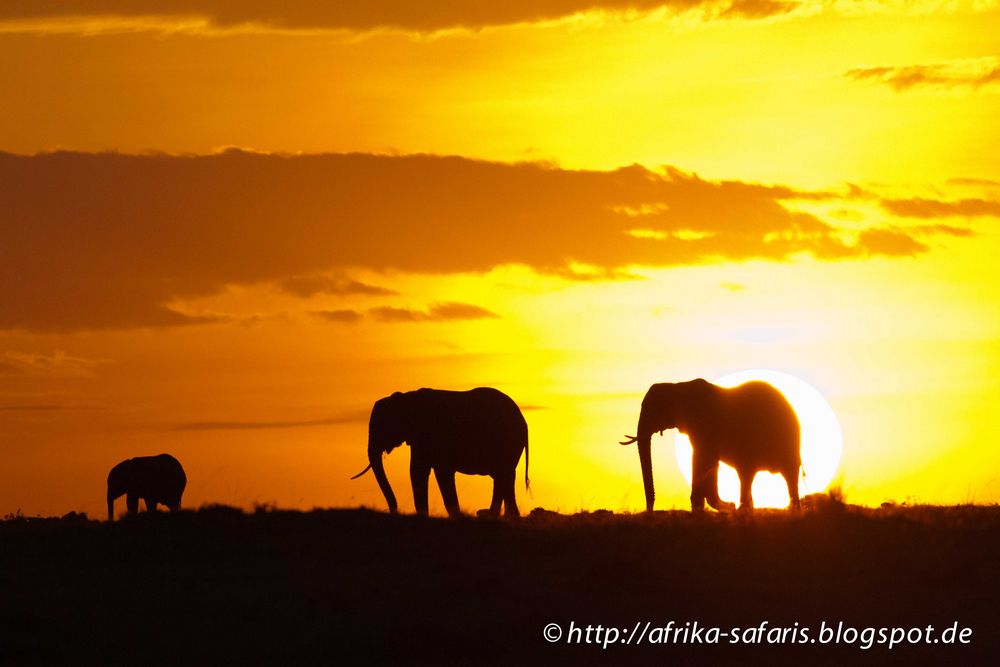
column 692, row 632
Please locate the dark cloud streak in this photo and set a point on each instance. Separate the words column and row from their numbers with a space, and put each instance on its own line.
column 440, row 312
column 758, row 9
column 307, row 286
column 918, row 207
column 363, row 16
column 109, row 241
column 892, row 242
column 942, row 75
column 31, row 407
column 352, row 418
column 341, row 315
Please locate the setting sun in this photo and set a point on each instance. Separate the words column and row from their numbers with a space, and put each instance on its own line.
column 821, row 442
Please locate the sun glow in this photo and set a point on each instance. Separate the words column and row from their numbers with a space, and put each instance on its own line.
column 822, row 442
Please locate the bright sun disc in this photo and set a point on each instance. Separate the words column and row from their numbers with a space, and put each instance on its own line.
column 822, row 442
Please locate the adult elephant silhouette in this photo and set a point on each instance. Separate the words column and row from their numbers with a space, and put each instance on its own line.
column 476, row 432
column 153, row 479
column 752, row 427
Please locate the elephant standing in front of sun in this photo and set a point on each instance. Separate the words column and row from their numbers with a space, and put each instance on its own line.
column 751, row 427
column 475, row 432
column 152, row 479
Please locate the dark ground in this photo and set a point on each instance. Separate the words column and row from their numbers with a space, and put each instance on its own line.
column 218, row 586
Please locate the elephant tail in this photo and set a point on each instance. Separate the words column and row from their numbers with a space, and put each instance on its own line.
column 527, row 482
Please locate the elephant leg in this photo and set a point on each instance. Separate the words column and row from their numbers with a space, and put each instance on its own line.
column 509, row 500
column 132, row 503
column 419, row 474
column 704, row 477
column 150, row 505
column 746, row 489
column 711, row 490
column 446, row 482
column 792, row 480
column 497, row 500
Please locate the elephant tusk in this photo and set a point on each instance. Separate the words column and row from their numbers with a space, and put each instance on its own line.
column 631, row 439
column 363, row 471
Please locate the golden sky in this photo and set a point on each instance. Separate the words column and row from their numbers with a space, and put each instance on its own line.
column 228, row 227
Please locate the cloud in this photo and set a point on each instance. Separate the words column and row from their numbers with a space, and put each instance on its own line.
column 310, row 285
column 943, row 230
column 30, row 407
column 338, row 315
column 892, row 242
column 935, row 208
column 758, row 9
column 441, row 312
column 974, row 182
column 973, row 73
column 424, row 16
column 57, row 364
column 581, row 273
column 351, row 418
column 252, row 320
column 110, row 241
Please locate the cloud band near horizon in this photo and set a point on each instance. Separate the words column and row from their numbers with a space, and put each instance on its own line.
column 108, row 241
column 424, row 17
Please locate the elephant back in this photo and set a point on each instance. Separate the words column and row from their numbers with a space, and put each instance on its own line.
column 162, row 476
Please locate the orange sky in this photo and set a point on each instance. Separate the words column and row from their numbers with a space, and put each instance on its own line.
column 227, row 228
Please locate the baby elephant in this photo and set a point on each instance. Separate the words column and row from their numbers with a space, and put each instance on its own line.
column 154, row 479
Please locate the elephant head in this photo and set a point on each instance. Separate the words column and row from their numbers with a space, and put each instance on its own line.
column 388, row 428
column 120, row 480
column 666, row 405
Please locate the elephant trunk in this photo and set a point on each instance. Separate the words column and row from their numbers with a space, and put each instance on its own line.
column 646, row 461
column 111, row 506
column 375, row 459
